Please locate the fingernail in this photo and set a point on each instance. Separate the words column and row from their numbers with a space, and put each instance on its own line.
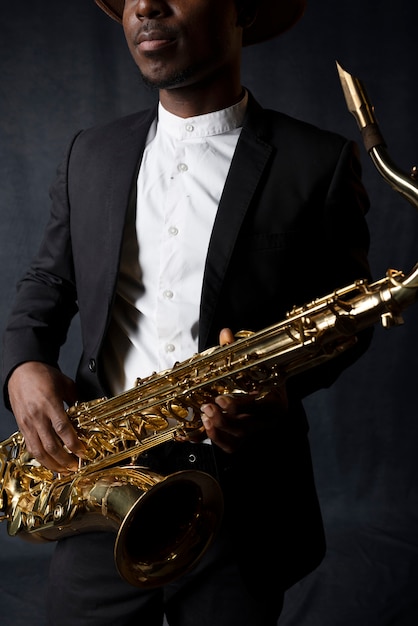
column 222, row 402
column 207, row 423
column 207, row 409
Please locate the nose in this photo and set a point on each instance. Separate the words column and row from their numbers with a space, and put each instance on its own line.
column 149, row 9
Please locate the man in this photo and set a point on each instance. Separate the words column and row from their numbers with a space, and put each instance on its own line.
column 166, row 227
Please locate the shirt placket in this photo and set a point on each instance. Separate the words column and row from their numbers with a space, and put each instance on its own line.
column 169, row 296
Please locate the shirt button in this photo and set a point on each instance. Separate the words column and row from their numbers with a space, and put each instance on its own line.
column 189, row 128
column 173, row 230
column 192, row 458
column 170, row 347
column 168, row 294
column 182, row 167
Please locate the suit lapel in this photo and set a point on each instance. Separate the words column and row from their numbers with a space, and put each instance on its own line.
column 119, row 195
column 248, row 165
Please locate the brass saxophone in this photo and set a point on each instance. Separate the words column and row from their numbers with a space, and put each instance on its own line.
column 164, row 524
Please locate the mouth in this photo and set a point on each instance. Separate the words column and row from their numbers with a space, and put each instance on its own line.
column 152, row 41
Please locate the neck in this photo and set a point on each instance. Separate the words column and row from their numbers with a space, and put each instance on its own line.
column 188, row 101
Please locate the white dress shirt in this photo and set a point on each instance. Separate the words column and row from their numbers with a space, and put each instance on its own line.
column 155, row 319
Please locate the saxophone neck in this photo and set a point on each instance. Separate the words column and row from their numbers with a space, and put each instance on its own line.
column 360, row 106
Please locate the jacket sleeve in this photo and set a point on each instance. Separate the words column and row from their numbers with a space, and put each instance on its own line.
column 46, row 298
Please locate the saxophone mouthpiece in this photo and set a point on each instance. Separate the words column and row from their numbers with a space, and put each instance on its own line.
column 361, row 108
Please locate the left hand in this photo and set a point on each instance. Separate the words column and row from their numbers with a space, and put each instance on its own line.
column 229, row 420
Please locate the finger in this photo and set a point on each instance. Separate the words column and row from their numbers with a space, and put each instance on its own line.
column 68, row 435
column 46, row 441
column 215, row 421
column 50, row 453
column 233, row 405
column 226, row 336
column 229, row 442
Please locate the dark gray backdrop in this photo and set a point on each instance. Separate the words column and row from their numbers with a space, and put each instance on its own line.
column 64, row 66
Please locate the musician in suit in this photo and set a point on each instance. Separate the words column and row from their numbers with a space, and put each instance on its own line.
column 208, row 212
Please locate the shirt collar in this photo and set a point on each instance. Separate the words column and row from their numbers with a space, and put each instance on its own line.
column 207, row 125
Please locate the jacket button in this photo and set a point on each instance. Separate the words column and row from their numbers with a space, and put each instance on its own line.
column 92, row 366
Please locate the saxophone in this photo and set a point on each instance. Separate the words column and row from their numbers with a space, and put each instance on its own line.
column 164, row 524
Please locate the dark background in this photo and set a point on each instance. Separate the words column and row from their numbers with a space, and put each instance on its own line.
column 64, row 66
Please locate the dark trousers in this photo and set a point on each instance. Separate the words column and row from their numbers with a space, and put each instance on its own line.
column 86, row 590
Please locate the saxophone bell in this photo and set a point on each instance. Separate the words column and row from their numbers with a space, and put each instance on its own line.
column 163, row 524
column 167, row 529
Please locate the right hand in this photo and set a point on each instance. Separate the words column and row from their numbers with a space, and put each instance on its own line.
column 231, row 419
column 38, row 394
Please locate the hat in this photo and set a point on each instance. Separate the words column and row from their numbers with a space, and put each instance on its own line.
column 274, row 17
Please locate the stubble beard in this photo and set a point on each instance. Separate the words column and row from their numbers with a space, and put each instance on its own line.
column 176, row 79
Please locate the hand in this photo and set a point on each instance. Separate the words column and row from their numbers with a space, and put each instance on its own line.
column 37, row 395
column 230, row 419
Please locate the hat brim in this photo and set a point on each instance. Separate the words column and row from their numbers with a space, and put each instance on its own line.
column 274, row 17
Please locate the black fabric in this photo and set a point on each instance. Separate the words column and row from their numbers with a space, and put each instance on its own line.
column 211, row 595
column 64, row 66
column 173, row 457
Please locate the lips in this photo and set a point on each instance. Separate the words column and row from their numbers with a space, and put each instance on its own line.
column 149, row 41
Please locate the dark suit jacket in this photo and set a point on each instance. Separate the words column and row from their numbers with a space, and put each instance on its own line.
column 290, row 227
